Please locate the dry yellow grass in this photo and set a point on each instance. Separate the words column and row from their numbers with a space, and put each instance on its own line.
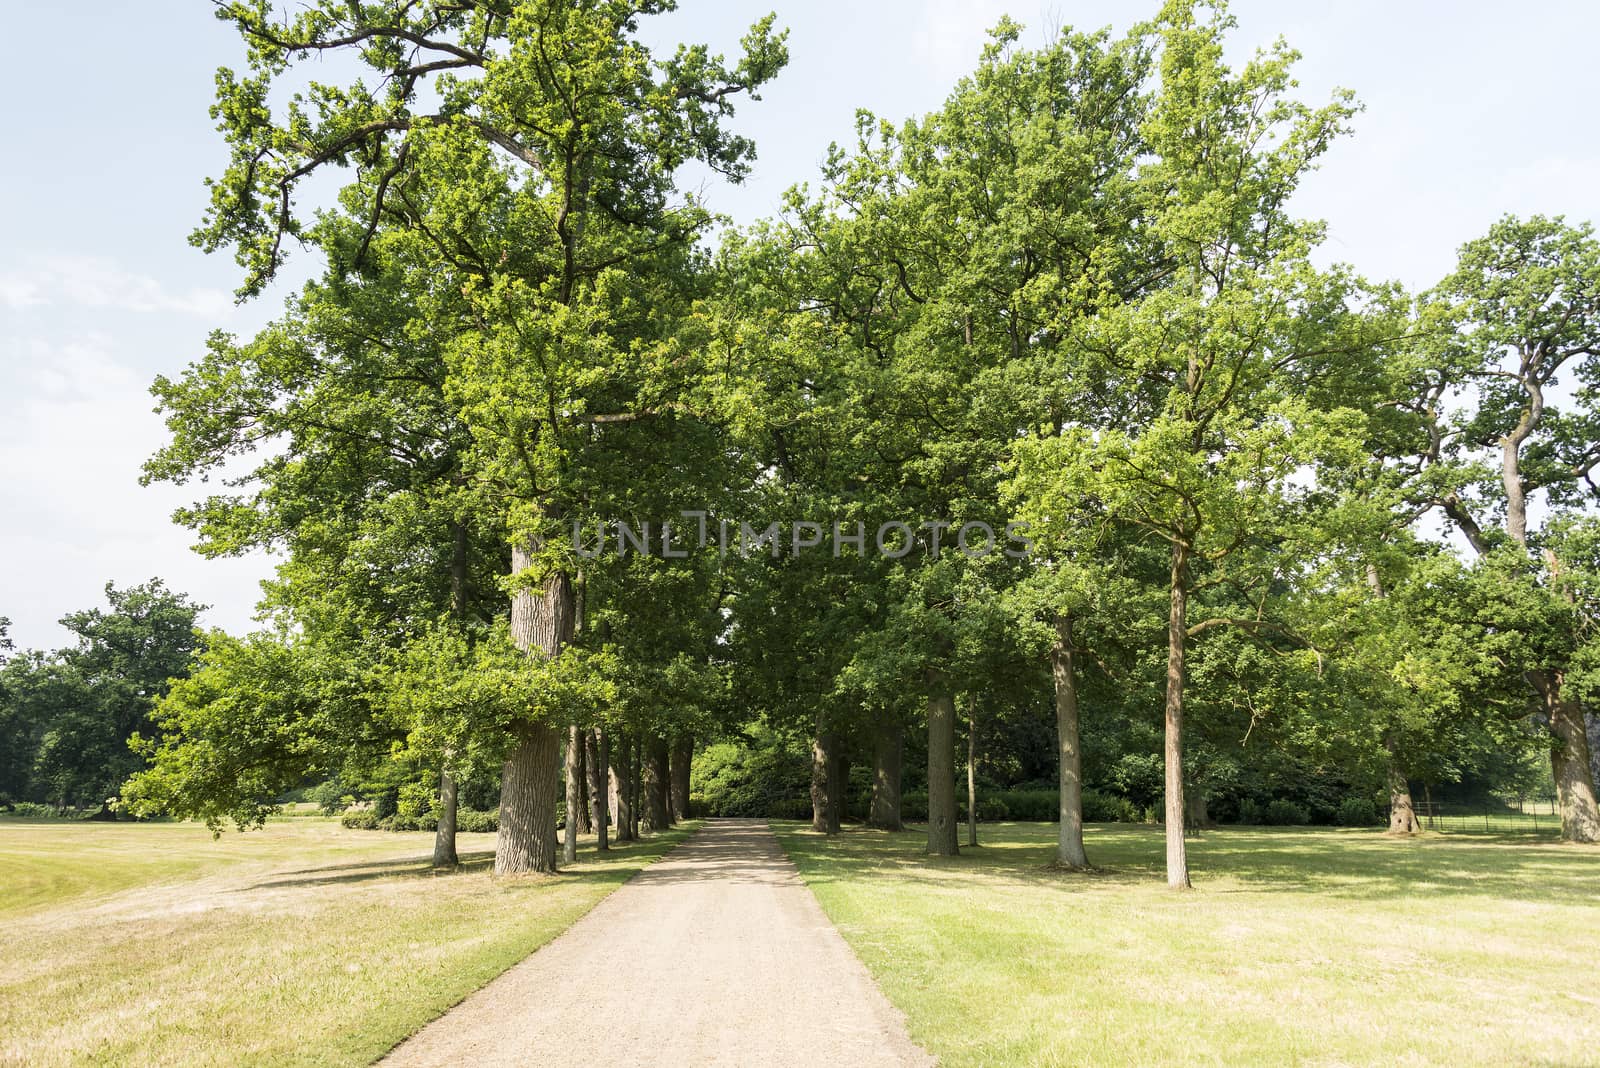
column 304, row 943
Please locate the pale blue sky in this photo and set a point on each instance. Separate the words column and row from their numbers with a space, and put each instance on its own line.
column 1473, row 110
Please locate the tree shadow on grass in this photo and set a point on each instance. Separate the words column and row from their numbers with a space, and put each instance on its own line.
column 1348, row 864
column 474, row 862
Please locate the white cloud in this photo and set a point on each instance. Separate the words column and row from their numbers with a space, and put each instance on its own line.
column 74, row 431
column 97, row 282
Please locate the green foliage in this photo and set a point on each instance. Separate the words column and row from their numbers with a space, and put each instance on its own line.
column 468, row 820
column 1284, row 813
column 762, row 777
column 1358, row 812
column 67, row 718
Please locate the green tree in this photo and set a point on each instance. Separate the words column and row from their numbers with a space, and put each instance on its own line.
column 1513, row 326
column 532, row 149
column 1241, row 370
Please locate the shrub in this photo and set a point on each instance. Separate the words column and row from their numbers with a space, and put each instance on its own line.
column 1101, row 807
column 33, row 809
column 330, row 797
column 1358, row 812
column 1034, row 805
column 788, row 808
column 1285, row 813
column 472, row 821
column 991, row 809
column 1249, row 811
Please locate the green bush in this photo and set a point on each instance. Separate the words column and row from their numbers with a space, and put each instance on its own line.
column 34, row 810
column 1031, row 805
column 991, row 809
column 1101, row 807
column 766, row 776
column 1358, row 812
column 472, row 821
column 330, row 797
column 1281, row 812
column 788, row 808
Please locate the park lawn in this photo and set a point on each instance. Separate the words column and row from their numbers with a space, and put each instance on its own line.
column 1312, row 947
column 304, row 943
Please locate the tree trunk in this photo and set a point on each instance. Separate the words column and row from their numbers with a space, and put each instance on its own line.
column 444, row 837
column 541, row 625
column 585, row 826
column 887, row 747
column 1069, row 835
column 941, row 767
column 1593, row 720
column 636, row 784
column 569, row 839
column 655, row 786
column 1569, row 764
column 682, row 758
column 1402, row 815
column 620, row 762
column 824, row 802
column 1177, row 635
column 972, row 778
column 529, row 786
column 594, row 745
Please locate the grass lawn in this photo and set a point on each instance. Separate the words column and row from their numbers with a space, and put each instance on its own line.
column 303, row 943
column 1315, row 947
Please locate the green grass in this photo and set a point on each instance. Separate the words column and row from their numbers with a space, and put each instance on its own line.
column 304, row 943
column 1315, row 947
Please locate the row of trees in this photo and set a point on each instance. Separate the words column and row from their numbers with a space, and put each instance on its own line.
column 67, row 716
column 1074, row 296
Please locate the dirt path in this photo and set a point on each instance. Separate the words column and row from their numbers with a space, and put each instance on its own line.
column 716, row 954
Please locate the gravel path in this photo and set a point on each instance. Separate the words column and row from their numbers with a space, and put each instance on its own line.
column 715, row 954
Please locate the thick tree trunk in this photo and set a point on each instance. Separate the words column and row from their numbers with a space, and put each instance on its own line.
column 1593, row 722
column 621, row 761
column 972, row 778
column 585, row 825
column 529, row 786
column 594, row 761
column 1177, row 635
column 1402, row 815
column 655, row 786
column 541, row 625
column 941, row 767
column 569, row 838
column 1569, row 764
column 824, row 775
column 682, row 759
column 1069, row 836
column 444, row 837
column 887, row 747
column 636, row 782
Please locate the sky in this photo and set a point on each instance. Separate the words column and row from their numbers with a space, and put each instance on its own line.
column 1472, row 110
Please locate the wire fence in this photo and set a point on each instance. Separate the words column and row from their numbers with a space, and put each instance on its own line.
column 1522, row 816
